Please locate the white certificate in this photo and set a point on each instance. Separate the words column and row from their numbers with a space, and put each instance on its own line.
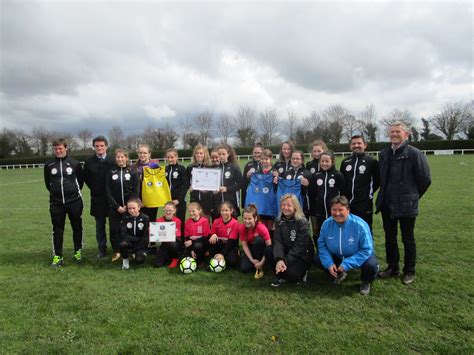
column 206, row 179
column 162, row 232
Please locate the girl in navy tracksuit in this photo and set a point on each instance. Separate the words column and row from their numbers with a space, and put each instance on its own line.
column 120, row 185
column 317, row 148
column 327, row 184
column 200, row 159
column 178, row 182
column 284, row 160
column 231, row 182
column 297, row 171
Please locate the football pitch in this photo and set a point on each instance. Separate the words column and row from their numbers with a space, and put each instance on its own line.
column 98, row 308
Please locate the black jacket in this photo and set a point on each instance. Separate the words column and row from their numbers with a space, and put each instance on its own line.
column 280, row 167
column 135, row 230
column 404, row 178
column 120, row 185
column 292, row 241
column 95, row 174
column 362, row 179
column 64, row 180
column 296, row 174
column 326, row 185
column 313, row 167
column 232, row 179
column 178, row 181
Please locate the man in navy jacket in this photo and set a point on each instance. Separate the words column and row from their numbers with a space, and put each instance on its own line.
column 404, row 178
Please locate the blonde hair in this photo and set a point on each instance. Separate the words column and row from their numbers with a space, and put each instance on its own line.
column 195, row 205
column 298, row 209
column 125, row 153
column 206, row 160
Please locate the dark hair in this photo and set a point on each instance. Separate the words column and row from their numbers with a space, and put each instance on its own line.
column 100, row 139
column 252, row 209
column 330, row 154
column 60, row 141
column 258, row 145
column 357, row 136
column 232, row 157
column 342, row 200
column 301, row 154
column 228, row 204
column 267, row 153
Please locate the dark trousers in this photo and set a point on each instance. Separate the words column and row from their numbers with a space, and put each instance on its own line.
column 407, row 227
column 319, row 222
column 200, row 247
column 100, row 233
column 168, row 251
column 258, row 249
column 58, row 218
column 115, row 220
column 368, row 270
column 294, row 271
column 127, row 247
column 231, row 257
column 181, row 214
column 367, row 217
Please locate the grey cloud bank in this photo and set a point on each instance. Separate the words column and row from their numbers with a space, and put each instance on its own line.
column 69, row 65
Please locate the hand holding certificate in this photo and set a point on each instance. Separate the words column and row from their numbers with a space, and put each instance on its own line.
column 162, row 232
column 204, row 179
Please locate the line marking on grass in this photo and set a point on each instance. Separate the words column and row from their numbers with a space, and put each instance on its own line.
column 20, row 182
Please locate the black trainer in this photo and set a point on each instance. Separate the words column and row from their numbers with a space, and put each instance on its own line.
column 276, row 282
column 408, row 279
column 388, row 272
column 365, row 288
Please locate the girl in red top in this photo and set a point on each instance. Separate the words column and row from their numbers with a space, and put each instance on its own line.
column 224, row 241
column 196, row 232
column 256, row 242
column 169, row 251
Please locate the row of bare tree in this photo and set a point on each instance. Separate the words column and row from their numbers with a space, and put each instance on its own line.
column 334, row 124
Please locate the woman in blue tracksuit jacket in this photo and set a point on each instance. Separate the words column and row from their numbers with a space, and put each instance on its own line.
column 345, row 243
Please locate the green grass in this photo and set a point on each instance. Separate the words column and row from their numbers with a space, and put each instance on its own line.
column 98, row 308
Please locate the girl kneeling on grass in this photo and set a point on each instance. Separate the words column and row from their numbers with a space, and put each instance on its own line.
column 256, row 242
column 293, row 248
column 134, row 235
column 169, row 251
column 224, row 242
column 196, row 232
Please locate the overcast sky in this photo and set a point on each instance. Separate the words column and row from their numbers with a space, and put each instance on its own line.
column 72, row 65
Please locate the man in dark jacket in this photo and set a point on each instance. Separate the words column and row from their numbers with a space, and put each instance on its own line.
column 95, row 173
column 404, row 178
column 361, row 178
column 63, row 177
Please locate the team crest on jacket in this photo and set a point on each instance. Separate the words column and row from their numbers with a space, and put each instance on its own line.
column 351, row 240
column 349, row 168
column 362, row 169
column 319, row 182
column 140, row 226
column 115, row 177
column 175, row 174
column 199, row 229
column 69, row 170
column 293, row 235
column 312, row 170
column 280, row 170
column 129, row 225
column 265, row 190
column 54, row 171
column 229, row 230
column 288, row 177
column 331, row 182
column 127, row 176
column 227, row 174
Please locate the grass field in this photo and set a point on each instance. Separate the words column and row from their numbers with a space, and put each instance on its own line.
column 98, row 308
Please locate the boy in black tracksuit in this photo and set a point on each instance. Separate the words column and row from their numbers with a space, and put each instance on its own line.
column 134, row 234
column 179, row 184
column 121, row 184
column 362, row 179
column 63, row 177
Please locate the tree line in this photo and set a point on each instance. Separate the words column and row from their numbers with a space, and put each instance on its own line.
column 245, row 127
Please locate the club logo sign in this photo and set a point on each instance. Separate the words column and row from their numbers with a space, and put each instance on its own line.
column 312, row 170
column 127, row 176
column 140, row 225
column 54, row 171
column 114, row 177
column 265, row 190
column 292, row 235
column 129, row 225
column 319, row 182
column 349, row 168
column 331, row 182
column 362, row 169
column 227, row 174
column 69, row 170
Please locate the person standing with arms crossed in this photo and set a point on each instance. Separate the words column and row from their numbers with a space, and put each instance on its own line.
column 362, row 179
column 63, row 177
column 404, row 178
column 96, row 168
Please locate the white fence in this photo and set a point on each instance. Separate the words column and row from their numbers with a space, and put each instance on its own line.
column 247, row 157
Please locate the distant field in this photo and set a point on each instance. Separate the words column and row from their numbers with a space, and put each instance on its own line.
column 98, row 308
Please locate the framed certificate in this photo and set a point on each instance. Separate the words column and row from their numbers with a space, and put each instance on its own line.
column 205, row 179
column 162, row 232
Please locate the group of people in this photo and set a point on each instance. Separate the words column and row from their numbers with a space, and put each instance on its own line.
column 293, row 214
